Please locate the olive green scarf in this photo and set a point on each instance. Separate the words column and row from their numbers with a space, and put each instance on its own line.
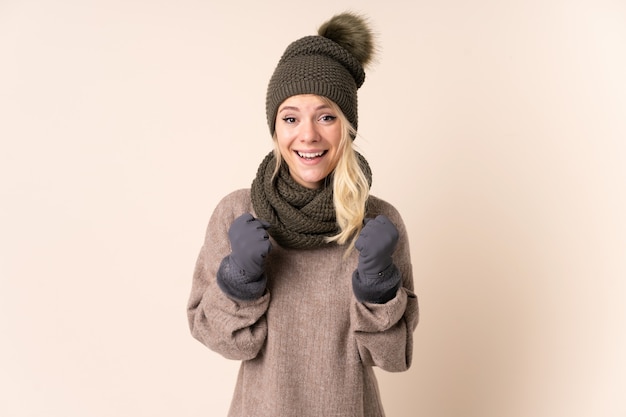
column 299, row 217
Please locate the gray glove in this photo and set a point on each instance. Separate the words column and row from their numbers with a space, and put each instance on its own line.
column 241, row 273
column 376, row 278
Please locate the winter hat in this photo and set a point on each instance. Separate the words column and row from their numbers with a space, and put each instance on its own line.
column 329, row 64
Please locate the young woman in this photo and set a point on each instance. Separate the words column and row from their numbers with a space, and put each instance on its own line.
column 305, row 277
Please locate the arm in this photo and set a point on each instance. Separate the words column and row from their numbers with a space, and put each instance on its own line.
column 384, row 331
column 233, row 328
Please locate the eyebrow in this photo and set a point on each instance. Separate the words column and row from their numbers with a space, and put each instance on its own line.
column 294, row 108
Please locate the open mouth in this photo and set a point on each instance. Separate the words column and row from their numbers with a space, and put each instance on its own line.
column 309, row 156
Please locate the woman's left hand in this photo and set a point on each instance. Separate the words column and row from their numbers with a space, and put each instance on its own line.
column 376, row 243
column 376, row 278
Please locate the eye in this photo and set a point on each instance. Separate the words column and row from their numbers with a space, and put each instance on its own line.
column 289, row 120
column 327, row 118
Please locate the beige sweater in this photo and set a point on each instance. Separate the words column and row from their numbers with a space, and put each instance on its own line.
column 307, row 346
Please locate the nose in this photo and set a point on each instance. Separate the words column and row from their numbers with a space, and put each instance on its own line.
column 308, row 131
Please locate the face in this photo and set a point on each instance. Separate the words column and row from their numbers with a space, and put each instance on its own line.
column 308, row 133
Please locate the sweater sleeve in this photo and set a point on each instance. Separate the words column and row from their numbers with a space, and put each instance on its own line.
column 233, row 328
column 384, row 332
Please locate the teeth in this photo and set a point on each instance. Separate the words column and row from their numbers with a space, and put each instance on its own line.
column 309, row 155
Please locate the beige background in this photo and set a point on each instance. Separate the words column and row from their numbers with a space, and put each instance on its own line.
column 498, row 129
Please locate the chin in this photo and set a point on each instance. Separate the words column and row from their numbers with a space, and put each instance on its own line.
column 312, row 182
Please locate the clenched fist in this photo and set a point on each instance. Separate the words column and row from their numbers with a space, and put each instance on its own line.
column 376, row 278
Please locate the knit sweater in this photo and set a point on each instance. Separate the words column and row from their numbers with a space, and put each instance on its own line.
column 307, row 346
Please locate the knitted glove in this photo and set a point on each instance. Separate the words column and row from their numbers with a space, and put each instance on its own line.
column 376, row 278
column 241, row 273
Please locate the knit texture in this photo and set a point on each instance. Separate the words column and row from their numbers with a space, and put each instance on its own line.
column 299, row 217
column 307, row 346
column 329, row 64
column 316, row 65
column 237, row 284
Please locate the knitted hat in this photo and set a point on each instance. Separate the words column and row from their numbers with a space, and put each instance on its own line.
column 329, row 64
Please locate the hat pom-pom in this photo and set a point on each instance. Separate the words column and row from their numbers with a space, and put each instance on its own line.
column 353, row 33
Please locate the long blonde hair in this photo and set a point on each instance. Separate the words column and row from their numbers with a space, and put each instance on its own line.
column 350, row 184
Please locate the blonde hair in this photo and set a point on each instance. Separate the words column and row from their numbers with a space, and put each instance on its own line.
column 350, row 184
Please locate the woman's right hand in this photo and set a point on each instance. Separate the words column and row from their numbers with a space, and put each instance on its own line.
column 250, row 244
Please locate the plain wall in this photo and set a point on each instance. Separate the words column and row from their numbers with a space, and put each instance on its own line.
column 497, row 128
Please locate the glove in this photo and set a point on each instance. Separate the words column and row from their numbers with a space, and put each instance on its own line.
column 249, row 243
column 241, row 273
column 376, row 278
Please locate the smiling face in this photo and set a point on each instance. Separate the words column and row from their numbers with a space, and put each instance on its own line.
column 308, row 135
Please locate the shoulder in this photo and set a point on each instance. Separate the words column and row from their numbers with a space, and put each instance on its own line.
column 236, row 198
column 376, row 206
column 232, row 205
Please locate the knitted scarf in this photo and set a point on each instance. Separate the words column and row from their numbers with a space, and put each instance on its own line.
column 299, row 217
